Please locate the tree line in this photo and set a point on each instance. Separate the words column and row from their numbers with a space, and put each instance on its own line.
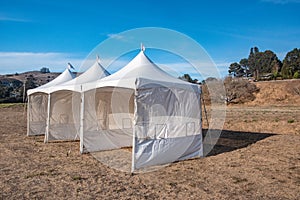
column 266, row 65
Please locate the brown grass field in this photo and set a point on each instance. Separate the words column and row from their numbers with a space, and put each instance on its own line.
column 256, row 157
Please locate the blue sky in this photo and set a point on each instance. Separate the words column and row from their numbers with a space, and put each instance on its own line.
column 37, row 33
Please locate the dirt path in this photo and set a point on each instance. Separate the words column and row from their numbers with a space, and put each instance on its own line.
column 245, row 164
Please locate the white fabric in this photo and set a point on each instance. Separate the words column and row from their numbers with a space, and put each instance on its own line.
column 64, row 115
column 108, row 114
column 67, row 75
column 140, row 67
column 144, row 107
column 37, row 113
column 167, row 124
column 94, row 73
column 38, row 103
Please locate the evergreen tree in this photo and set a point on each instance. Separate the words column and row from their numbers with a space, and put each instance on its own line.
column 291, row 63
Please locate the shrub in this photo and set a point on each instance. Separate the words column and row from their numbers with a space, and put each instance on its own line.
column 296, row 75
column 239, row 90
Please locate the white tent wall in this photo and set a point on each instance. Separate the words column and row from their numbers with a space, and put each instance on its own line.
column 167, row 124
column 65, row 105
column 37, row 113
column 108, row 114
column 64, row 116
column 165, row 114
column 38, row 104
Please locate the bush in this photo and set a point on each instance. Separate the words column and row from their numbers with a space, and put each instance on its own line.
column 239, row 90
column 45, row 70
column 296, row 75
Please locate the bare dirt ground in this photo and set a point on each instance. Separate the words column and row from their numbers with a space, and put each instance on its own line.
column 256, row 157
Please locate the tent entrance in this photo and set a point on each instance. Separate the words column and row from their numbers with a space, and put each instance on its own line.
column 37, row 113
column 64, row 116
column 108, row 119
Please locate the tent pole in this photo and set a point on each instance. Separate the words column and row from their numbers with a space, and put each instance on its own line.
column 201, row 122
column 133, row 134
column 48, row 120
column 81, row 121
column 28, row 105
column 205, row 111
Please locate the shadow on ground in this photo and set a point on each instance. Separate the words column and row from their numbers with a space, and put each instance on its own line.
column 226, row 141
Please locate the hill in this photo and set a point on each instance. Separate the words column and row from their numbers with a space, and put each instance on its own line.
column 40, row 78
column 12, row 85
column 277, row 93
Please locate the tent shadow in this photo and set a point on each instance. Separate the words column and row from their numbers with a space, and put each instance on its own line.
column 230, row 141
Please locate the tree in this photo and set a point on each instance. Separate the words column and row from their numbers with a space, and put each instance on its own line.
column 236, row 70
column 261, row 63
column 245, row 67
column 187, row 77
column 296, row 75
column 291, row 63
column 44, row 70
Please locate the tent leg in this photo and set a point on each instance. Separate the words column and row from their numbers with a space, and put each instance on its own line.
column 28, row 104
column 48, row 120
column 81, row 122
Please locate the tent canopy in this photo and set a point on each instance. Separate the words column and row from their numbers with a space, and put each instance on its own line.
column 67, row 75
column 38, row 104
column 144, row 107
column 94, row 73
column 140, row 67
column 64, row 109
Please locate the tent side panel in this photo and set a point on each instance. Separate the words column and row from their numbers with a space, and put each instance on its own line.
column 64, row 121
column 163, row 151
column 37, row 113
column 168, row 125
column 107, row 120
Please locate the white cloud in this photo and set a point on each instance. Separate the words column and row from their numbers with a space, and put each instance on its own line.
column 12, row 62
column 12, row 19
column 115, row 36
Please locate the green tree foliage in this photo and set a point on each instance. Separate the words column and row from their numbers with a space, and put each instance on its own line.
column 291, row 64
column 187, row 77
column 257, row 64
column 245, row 66
column 44, row 70
column 263, row 62
column 236, row 70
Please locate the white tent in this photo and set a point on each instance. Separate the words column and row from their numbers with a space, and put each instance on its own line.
column 144, row 107
column 65, row 100
column 38, row 104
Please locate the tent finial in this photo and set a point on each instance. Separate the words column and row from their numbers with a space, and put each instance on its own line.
column 98, row 58
column 70, row 66
column 142, row 47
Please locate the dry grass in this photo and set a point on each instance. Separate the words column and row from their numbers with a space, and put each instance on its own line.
column 256, row 157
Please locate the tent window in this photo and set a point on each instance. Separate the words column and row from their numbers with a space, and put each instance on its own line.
column 161, row 131
column 190, row 128
column 126, row 123
column 63, row 118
